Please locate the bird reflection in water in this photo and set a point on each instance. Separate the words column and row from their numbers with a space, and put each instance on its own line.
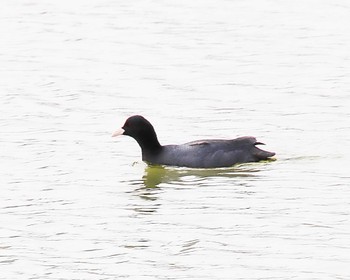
column 155, row 175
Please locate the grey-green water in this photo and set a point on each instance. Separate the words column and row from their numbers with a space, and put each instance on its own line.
column 78, row 204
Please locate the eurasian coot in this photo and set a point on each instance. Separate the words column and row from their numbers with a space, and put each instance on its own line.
column 197, row 154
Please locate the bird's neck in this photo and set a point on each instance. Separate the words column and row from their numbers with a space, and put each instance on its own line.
column 149, row 143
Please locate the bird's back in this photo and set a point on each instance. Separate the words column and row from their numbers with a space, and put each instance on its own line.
column 210, row 153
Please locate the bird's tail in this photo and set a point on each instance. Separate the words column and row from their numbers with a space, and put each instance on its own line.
column 261, row 154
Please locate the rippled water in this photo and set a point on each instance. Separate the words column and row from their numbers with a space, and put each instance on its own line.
column 77, row 204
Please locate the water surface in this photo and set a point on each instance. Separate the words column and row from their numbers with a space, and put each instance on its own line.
column 78, row 204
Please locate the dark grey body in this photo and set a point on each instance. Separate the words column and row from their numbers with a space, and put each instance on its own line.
column 208, row 153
